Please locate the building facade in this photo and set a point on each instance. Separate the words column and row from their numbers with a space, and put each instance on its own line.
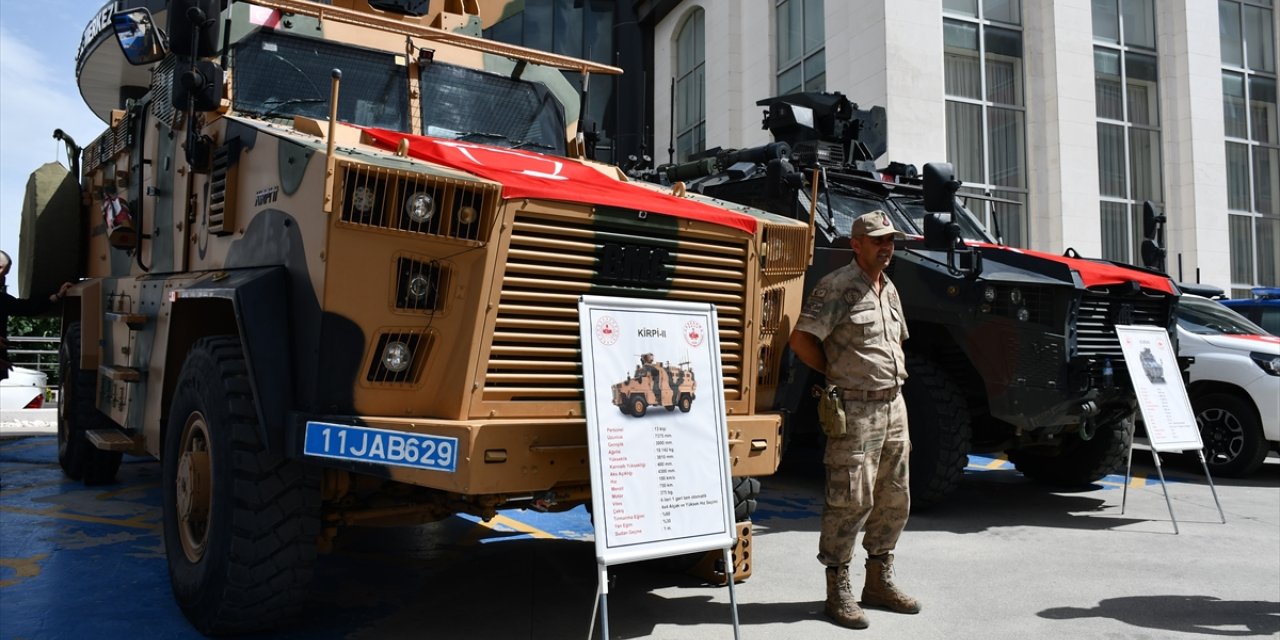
column 1073, row 112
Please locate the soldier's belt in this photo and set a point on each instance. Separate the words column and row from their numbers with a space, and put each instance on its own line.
column 871, row 396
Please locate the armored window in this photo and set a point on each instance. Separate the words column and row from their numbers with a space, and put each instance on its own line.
column 282, row 75
column 1249, row 115
column 986, row 112
column 802, row 58
column 691, row 87
column 493, row 109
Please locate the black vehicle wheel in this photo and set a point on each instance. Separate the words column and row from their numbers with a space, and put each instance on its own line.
column 79, row 459
column 686, row 402
column 745, row 492
column 638, row 406
column 1232, row 433
column 240, row 521
column 1078, row 462
column 669, row 407
column 938, row 418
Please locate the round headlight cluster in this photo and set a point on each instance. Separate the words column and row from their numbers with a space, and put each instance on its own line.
column 363, row 199
column 989, row 293
column 419, row 286
column 396, row 356
column 467, row 214
column 420, row 207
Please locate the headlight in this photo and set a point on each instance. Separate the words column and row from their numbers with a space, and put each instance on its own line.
column 1015, row 296
column 1023, row 314
column 419, row 207
column 362, row 199
column 989, row 293
column 467, row 214
column 396, row 356
column 1268, row 362
column 419, row 286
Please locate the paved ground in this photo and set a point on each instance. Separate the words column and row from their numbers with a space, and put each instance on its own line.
column 1004, row 559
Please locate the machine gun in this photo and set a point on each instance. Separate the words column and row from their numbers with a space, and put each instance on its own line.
column 810, row 131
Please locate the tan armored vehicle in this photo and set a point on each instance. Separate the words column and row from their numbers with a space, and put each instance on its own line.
column 656, row 386
column 324, row 298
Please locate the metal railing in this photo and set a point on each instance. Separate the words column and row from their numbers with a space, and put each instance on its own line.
column 37, row 353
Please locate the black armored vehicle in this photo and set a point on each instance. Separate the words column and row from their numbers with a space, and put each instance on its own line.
column 1010, row 351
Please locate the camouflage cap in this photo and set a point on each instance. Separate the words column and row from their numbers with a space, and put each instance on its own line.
column 873, row 224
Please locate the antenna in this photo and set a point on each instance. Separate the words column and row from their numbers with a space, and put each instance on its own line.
column 671, row 143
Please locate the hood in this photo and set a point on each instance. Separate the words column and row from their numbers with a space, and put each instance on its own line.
column 1239, row 342
column 1093, row 273
column 528, row 174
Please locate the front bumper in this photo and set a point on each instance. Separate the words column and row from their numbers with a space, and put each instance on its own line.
column 522, row 456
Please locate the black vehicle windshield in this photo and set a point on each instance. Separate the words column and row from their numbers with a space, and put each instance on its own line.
column 277, row 75
column 466, row 104
column 845, row 206
column 970, row 229
column 1206, row 317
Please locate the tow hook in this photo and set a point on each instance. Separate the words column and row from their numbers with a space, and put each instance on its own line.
column 1087, row 411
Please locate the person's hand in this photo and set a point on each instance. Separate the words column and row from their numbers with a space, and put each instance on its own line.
column 61, row 293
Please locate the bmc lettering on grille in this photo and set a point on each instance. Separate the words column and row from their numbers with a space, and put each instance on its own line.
column 632, row 265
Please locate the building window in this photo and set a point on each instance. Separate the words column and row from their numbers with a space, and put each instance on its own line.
column 691, row 87
column 802, row 61
column 1253, row 145
column 986, row 138
column 1127, row 96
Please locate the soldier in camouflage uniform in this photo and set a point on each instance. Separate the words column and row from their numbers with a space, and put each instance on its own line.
column 852, row 329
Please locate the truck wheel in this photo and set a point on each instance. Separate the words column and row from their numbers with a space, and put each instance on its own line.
column 938, row 418
column 745, row 492
column 1078, row 462
column 79, row 459
column 1233, row 442
column 686, row 402
column 638, row 406
column 240, row 521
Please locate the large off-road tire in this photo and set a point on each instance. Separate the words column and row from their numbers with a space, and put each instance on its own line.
column 745, row 492
column 1231, row 430
column 1078, row 462
column 938, row 418
column 240, row 521
column 638, row 406
column 686, row 402
column 79, row 459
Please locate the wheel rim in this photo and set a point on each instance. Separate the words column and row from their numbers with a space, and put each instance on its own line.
column 192, row 487
column 1223, row 434
column 637, row 406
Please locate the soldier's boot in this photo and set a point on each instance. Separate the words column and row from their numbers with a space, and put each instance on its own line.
column 880, row 591
column 841, row 606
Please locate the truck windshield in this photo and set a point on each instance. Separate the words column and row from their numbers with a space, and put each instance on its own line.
column 465, row 104
column 845, row 207
column 1206, row 317
column 277, row 75
column 970, row 229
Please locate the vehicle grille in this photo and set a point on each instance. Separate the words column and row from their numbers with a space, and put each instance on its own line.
column 1094, row 332
column 379, row 198
column 552, row 260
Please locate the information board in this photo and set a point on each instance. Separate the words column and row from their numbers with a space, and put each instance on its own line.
column 1157, row 380
column 656, row 428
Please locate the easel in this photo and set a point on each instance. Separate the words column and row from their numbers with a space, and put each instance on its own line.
column 602, row 599
column 1166, row 409
column 1128, row 473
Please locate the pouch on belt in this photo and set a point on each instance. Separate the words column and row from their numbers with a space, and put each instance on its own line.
column 831, row 411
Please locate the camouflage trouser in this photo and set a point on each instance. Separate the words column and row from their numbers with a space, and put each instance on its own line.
column 867, row 483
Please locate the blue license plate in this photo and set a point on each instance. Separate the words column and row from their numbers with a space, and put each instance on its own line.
column 380, row 446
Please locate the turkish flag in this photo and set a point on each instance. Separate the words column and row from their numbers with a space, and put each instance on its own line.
column 527, row 174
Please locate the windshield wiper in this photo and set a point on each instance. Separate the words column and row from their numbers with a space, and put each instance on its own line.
column 277, row 106
column 485, row 135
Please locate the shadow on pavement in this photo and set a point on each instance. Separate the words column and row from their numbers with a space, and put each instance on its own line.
column 1186, row 614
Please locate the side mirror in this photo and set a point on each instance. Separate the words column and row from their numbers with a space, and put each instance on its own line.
column 141, row 41
column 940, row 233
column 940, row 186
column 194, row 27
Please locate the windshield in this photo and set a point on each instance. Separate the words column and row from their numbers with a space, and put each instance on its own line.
column 279, row 76
column 1206, row 317
column 847, row 207
column 466, row 104
column 970, row 229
